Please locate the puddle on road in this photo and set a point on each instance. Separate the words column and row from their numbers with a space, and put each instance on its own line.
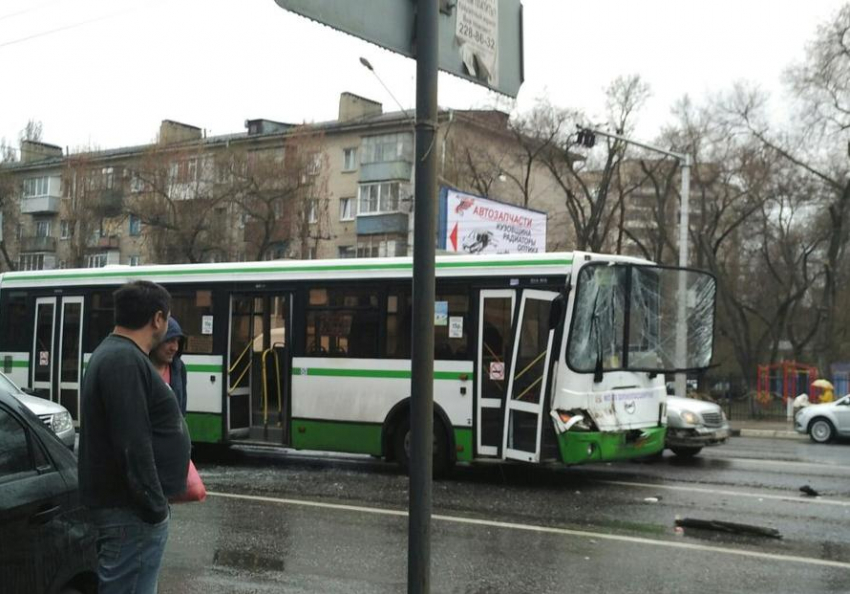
column 246, row 560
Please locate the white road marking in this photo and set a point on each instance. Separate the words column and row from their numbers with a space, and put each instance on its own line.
column 819, row 500
column 545, row 530
column 806, row 465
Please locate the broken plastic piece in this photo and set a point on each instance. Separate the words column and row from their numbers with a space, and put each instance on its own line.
column 730, row 527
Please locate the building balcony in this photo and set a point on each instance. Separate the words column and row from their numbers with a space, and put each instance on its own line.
column 38, row 244
column 40, row 205
column 110, row 201
column 390, row 170
column 374, row 224
column 113, row 242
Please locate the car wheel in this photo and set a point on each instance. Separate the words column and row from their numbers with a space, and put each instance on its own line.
column 441, row 464
column 821, row 430
column 686, row 452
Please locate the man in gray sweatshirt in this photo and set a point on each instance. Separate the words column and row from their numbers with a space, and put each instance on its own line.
column 134, row 443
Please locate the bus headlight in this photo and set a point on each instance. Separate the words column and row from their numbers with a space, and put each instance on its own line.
column 570, row 420
column 61, row 422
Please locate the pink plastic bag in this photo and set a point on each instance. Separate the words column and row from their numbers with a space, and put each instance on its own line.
column 195, row 489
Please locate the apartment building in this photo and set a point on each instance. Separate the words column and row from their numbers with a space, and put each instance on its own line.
column 338, row 189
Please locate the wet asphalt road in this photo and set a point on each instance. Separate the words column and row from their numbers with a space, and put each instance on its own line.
column 284, row 522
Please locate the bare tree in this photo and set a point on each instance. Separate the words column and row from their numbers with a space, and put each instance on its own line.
column 176, row 196
column 282, row 191
column 588, row 184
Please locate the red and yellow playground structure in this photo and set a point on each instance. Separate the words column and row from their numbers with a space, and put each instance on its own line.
column 788, row 379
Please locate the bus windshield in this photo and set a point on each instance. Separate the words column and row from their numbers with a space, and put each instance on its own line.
column 627, row 317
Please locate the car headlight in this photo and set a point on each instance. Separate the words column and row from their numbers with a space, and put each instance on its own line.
column 61, row 422
column 690, row 418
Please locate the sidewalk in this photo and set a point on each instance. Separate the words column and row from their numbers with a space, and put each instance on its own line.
column 755, row 428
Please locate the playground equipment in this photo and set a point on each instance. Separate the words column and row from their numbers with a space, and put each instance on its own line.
column 786, row 379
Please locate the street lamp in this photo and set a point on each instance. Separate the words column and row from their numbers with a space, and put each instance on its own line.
column 368, row 65
column 587, row 137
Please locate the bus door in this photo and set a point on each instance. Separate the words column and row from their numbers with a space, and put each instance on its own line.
column 259, row 367
column 528, row 377
column 57, row 351
column 495, row 316
column 246, row 319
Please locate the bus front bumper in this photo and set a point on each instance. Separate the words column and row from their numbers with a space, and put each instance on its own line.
column 578, row 447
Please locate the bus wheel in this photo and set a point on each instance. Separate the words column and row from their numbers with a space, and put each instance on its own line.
column 441, row 463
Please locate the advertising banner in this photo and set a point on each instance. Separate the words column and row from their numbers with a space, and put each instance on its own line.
column 476, row 225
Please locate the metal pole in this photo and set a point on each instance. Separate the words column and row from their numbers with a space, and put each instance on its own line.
column 682, row 322
column 422, row 365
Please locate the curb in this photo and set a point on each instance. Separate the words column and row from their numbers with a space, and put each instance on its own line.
column 771, row 433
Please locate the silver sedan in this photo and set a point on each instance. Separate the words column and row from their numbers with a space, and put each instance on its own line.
column 823, row 422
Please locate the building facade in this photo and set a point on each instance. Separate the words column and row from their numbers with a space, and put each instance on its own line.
column 339, row 189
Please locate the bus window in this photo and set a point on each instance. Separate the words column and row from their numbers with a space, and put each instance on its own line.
column 17, row 323
column 342, row 322
column 189, row 309
column 451, row 343
column 101, row 318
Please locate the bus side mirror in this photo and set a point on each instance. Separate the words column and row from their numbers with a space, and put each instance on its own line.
column 556, row 311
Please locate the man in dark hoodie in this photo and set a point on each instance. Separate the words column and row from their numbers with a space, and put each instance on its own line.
column 134, row 444
column 166, row 360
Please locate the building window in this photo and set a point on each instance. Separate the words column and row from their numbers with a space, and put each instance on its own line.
column 312, row 253
column 42, row 228
column 137, row 184
column 277, row 209
column 346, row 251
column 31, row 262
column 36, row 186
column 312, row 211
column 380, row 247
column 387, row 148
column 107, row 178
column 66, row 229
column 184, row 171
column 380, row 198
column 314, row 163
column 135, row 226
column 135, row 260
column 349, row 159
column 346, row 209
column 96, row 261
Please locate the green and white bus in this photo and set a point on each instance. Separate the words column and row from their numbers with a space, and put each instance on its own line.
column 557, row 356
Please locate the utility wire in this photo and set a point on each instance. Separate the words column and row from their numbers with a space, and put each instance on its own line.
column 26, row 10
column 65, row 28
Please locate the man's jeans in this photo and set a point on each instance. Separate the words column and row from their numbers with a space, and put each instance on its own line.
column 129, row 551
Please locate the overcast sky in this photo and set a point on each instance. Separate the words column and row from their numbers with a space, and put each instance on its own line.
column 105, row 72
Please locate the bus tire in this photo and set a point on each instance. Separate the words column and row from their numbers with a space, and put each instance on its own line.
column 442, row 461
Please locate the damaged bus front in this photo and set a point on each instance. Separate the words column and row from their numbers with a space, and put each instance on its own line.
column 626, row 328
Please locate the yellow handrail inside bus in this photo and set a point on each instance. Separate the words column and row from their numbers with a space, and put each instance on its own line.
column 244, row 371
column 271, row 351
column 530, row 365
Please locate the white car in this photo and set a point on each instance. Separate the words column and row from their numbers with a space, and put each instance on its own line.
column 825, row 421
column 55, row 416
column 693, row 424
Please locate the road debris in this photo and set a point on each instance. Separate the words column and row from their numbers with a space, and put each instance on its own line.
column 807, row 490
column 730, row 527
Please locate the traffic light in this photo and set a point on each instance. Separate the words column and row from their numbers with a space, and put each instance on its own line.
column 585, row 138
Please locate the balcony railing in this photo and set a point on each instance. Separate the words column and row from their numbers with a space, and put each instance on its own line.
column 40, row 205
column 38, row 244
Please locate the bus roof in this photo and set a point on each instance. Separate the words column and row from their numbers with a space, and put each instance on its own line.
column 556, row 263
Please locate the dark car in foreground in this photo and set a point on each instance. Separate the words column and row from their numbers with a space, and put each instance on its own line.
column 46, row 543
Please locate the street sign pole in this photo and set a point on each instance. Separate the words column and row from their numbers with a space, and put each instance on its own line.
column 424, row 237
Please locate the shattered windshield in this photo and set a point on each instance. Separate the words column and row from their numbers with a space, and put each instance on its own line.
column 628, row 317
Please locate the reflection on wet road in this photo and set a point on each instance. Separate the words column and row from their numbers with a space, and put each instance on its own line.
column 284, row 522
